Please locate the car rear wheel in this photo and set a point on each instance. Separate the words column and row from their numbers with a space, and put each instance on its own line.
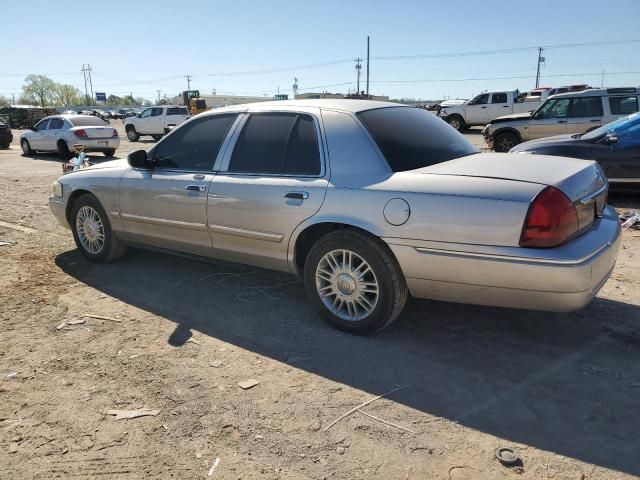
column 92, row 231
column 26, row 148
column 63, row 150
column 456, row 122
column 354, row 282
column 109, row 153
column 505, row 142
column 132, row 135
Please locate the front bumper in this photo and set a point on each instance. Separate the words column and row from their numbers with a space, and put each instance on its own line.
column 564, row 278
column 488, row 138
column 58, row 208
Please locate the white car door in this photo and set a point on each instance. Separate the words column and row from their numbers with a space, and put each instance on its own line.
column 155, row 123
column 477, row 110
column 143, row 122
column 36, row 137
column 499, row 105
column 50, row 138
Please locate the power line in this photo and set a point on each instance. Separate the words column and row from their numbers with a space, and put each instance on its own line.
column 515, row 77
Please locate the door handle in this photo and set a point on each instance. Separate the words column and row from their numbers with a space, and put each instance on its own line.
column 297, row 195
column 562, row 121
column 483, row 107
column 196, row 188
column 595, row 120
column 198, row 176
column 505, row 106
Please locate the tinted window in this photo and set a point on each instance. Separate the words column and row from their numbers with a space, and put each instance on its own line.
column 56, row 123
column 146, row 113
column 42, row 125
column 277, row 143
column 480, row 99
column 413, row 138
column 499, row 98
column 586, row 107
column 87, row 121
column 195, row 145
column 623, row 105
column 177, row 111
column 156, row 112
column 554, row 109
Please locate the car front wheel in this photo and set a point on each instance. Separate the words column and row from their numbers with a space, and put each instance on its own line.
column 354, row 282
column 505, row 142
column 92, row 231
column 132, row 135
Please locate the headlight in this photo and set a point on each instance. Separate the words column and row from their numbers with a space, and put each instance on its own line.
column 57, row 189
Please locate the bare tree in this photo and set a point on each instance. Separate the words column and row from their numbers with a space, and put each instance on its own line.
column 40, row 88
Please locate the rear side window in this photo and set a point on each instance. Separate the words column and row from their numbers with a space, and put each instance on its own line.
column 623, row 105
column 56, row 124
column 177, row 111
column 499, row 98
column 195, row 145
column 411, row 138
column 586, row 107
column 276, row 144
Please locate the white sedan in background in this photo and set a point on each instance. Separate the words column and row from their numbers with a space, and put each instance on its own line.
column 60, row 133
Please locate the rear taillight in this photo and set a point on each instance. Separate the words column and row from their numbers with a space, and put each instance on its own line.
column 551, row 220
column 80, row 133
column 115, row 133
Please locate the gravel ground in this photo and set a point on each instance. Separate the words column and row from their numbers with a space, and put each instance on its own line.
column 179, row 334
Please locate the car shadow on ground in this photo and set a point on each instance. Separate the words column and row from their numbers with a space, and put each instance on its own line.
column 558, row 382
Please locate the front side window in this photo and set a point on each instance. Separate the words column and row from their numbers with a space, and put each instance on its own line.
column 195, row 145
column 156, row 111
column 146, row 113
column 40, row 126
column 480, row 99
column 558, row 108
column 56, row 124
column 623, row 105
column 586, row 107
column 277, row 144
column 499, row 98
column 411, row 138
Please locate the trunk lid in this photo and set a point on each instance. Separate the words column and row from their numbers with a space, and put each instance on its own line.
column 98, row 132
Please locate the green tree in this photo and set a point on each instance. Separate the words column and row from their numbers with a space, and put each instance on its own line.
column 39, row 88
column 67, row 95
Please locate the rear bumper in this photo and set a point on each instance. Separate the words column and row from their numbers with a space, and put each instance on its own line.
column 565, row 278
column 97, row 144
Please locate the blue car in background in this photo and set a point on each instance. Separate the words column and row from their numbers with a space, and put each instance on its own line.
column 615, row 146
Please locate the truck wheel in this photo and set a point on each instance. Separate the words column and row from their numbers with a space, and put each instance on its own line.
column 4, row 145
column 132, row 135
column 505, row 142
column 354, row 282
column 456, row 122
column 26, row 148
column 63, row 150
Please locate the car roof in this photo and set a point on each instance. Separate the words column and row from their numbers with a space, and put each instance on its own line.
column 599, row 92
column 340, row 104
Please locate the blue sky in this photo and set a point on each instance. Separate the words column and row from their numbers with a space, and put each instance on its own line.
column 143, row 46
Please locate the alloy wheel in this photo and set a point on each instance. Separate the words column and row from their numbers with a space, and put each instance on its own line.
column 90, row 230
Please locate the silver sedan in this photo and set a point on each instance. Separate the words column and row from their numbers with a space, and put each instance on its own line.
column 367, row 202
column 61, row 133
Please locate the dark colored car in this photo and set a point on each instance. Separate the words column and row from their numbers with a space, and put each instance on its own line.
column 615, row 146
column 6, row 137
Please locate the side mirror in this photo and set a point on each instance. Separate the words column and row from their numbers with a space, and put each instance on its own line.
column 611, row 139
column 139, row 159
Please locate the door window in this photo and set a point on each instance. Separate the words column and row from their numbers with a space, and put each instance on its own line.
column 56, row 124
column 623, row 105
column 480, row 99
column 146, row 113
column 277, row 143
column 195, row 145
column 156, row 111
column 554, row 109
column 586, row 107
column 499, row 98
column 40, row 126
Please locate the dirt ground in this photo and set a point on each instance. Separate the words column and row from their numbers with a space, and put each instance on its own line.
column 562, row 389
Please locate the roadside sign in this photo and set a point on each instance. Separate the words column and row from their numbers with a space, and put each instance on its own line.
column 101, row 97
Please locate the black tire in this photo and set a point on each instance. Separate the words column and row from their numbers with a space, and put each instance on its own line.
column 4, row 145
column 109, row 153
column 156, row 137
column 505, row 141
column 26, row 148
column 63, row 150
column 392, row 294
column 132, row 135
column 457, row 122
column 112, row 248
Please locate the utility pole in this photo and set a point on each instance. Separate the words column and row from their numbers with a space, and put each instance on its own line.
column 602, row 80
column 188, row 77
column 358, row 68
column 368, row 64
column 90, row 83
column 158, row 95
column 84, row 76
column 540, row 60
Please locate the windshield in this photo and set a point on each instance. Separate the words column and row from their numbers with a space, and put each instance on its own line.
column 87, row 122
column 413, row 138
column 610, row 127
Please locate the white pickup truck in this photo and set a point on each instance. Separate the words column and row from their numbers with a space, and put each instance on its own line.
column 483, row 108
column 155, row 121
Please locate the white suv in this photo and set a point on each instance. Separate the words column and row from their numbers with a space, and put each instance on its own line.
column 566, row 113
column 155, row 121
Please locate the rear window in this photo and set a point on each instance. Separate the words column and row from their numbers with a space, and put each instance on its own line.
column 177, row 111
column 87, row 121
column 411, row 138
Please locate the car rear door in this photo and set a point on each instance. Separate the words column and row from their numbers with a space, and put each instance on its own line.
column 175, row 116
column 272, row 178
column 50, row 138
column 585, row 113
column 499, row 105
column 550, row 119
column 167, row 205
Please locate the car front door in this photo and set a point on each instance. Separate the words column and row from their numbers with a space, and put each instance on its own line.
column 272, row 178
column 36, row 137
column 156, row 121
column 143, row 122
column 477, row 110
column 585, row 113
column 550, row 119
column 499, row 105
column 166, row 206
column 619, row 153
column 50, row 138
